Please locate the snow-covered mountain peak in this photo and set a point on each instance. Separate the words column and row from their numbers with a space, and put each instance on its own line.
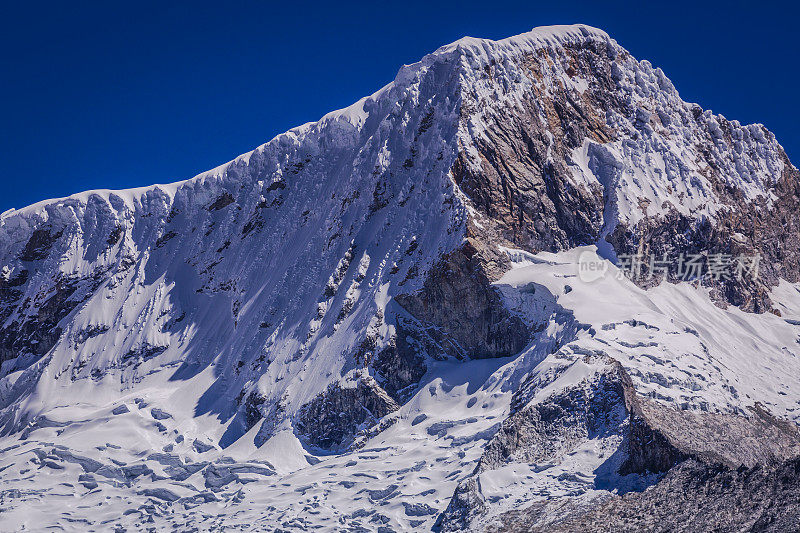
column 525, row 43
column 383, row 289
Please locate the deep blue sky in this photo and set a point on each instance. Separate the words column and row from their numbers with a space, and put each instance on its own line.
column 122, row 94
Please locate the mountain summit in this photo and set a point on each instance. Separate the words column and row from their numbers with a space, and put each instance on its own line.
column 520, row 281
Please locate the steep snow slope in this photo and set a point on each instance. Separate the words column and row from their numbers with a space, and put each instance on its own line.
column 248, row 270
column 330, row 330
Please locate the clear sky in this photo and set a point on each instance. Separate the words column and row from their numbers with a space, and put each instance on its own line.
column 121, row 94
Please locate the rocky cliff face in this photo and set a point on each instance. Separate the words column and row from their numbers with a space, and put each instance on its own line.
column 693, row 496
column 590, row 144
column 390, row 295
column 331, row 420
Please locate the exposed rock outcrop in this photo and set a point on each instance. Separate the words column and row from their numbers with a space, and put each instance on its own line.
column 693, row 496
column 743, row 228
column 457, row 297
column 546, row 430
column 522, row 181
column 400, row 365
column 333, row 419
column 35, row 335
column 38, row 246
column 660, row 436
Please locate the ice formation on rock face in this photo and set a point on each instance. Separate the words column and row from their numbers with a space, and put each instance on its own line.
column 336, row 328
